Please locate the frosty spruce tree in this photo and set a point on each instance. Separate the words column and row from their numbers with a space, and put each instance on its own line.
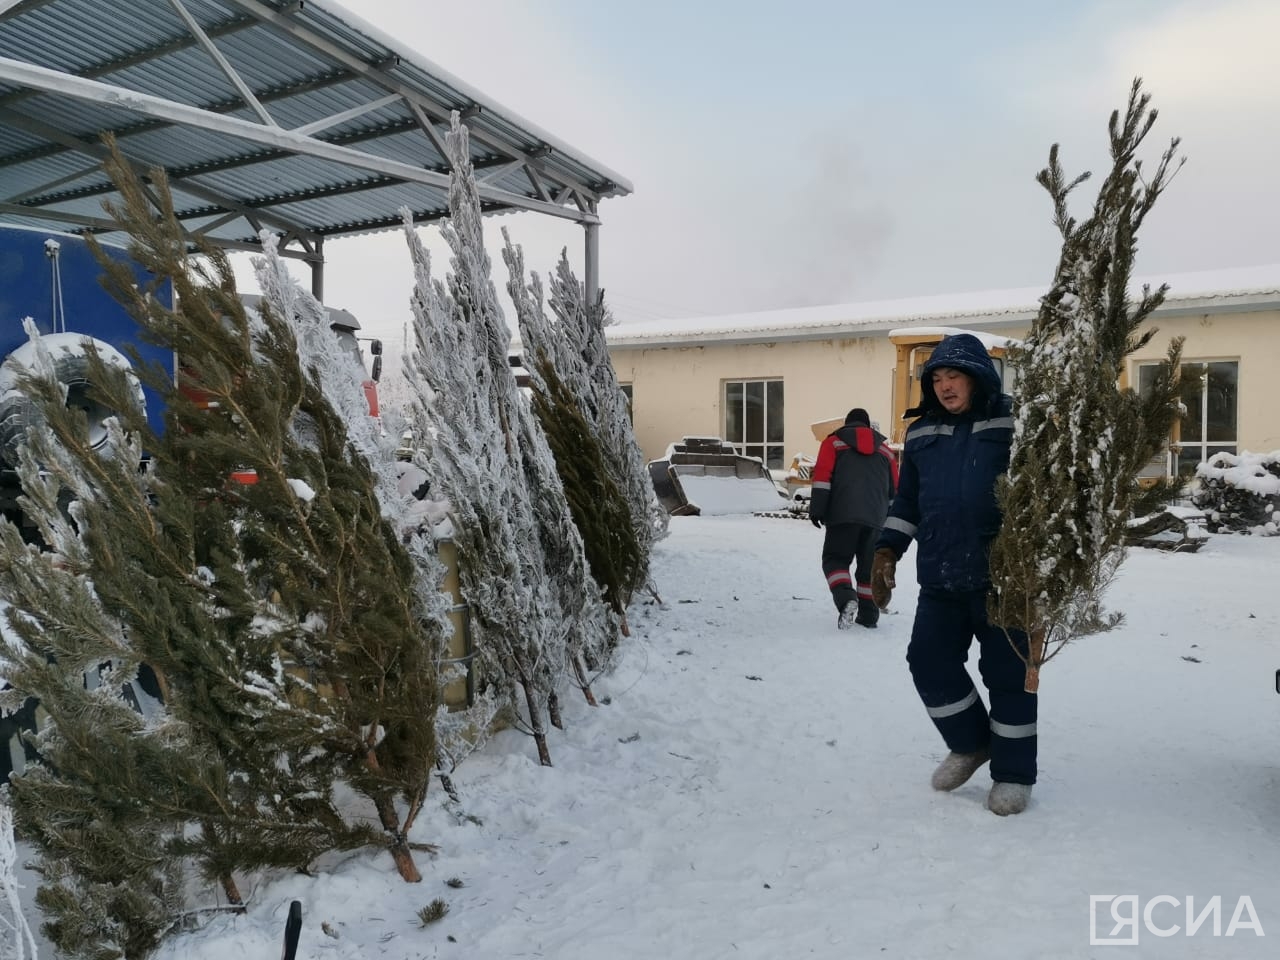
column 255, row 567
column 522, row 564
column 595, row 504
column 584, row 413
column 1079, row 438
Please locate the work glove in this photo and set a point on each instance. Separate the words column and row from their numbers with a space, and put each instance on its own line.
column 883, row 568
column 816, row 521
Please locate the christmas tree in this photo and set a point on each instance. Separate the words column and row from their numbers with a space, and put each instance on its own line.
column 254, row 565
column 522, row 564
column 584, row 413
column 1080, row 439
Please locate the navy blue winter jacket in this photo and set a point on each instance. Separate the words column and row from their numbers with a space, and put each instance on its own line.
column 946, row 488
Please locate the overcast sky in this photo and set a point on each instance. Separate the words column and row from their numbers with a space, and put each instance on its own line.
column 850, row 150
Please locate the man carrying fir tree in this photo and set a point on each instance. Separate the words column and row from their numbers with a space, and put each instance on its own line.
column 951, row 459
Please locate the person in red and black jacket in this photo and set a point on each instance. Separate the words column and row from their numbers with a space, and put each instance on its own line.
column 854, row 480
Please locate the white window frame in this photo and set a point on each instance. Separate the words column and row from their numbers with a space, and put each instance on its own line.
column 757, row 447
column 1201, row 447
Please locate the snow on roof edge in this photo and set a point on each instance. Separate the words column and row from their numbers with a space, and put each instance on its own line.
column 1009, row 306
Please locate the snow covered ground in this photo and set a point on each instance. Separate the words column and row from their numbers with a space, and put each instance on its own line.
column 756, row 786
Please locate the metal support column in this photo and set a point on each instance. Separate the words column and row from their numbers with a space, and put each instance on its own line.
column 317, row 271
column 592, row 260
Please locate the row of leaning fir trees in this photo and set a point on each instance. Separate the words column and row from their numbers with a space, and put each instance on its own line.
column 265, row 568
column 296, row 627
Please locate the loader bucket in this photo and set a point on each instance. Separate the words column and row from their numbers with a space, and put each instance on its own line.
column 706, row 475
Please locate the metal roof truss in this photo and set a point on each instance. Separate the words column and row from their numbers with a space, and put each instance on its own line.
column 265, row 114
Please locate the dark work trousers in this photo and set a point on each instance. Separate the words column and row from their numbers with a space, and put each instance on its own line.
column 946, row 623
column 849, row 544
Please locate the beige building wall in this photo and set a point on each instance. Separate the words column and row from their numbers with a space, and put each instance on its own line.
column 1253, row 341
column 678, row 390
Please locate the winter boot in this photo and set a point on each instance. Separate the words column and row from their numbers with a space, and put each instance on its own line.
column 848, row 616
column 868, row 614
column 1006, row 798
column 957, row 768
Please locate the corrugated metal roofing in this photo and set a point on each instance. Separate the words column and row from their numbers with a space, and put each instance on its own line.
column 314, row 124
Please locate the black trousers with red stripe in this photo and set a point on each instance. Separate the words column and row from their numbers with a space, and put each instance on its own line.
column 849, row 545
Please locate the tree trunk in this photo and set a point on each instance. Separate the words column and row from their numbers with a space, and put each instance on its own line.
column 227, row 881
column 397, row 843
column 544, row 754
column 553, row 710
column 583, row 682
column 232, row 892
column 1035, row 657
column 535, row 722
column 399, row 848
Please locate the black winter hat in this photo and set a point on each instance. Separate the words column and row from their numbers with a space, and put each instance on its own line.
column 857, row 415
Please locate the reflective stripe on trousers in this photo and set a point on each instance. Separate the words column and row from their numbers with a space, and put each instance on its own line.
column 848, row 545
column 945, row 626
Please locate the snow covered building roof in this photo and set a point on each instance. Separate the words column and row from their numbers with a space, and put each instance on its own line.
column 295, row 117
column 1216, row 291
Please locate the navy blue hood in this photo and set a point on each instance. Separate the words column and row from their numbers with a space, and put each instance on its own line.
column 961, row 351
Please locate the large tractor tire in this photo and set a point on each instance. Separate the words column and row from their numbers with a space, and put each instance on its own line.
column 70, row 355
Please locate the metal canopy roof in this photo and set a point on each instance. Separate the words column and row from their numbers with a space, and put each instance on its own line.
column 285, row 115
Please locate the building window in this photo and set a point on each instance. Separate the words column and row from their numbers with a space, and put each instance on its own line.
column 1210, row 392
column 753, row 419
column 626, row 392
